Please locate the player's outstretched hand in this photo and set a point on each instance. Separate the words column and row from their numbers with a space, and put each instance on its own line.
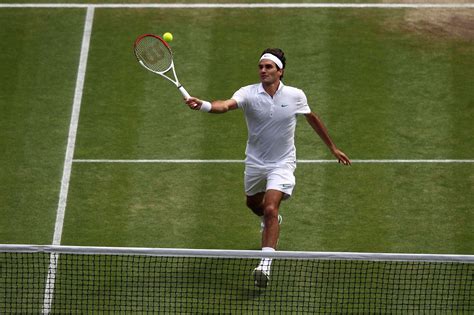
column 341, row 157
column 193, row 103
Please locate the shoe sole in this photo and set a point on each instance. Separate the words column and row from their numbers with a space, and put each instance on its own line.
column 260, row 278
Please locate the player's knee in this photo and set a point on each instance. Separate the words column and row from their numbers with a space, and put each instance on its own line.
column 270, row 212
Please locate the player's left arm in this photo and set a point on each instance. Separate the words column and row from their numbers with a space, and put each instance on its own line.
column 318, row 126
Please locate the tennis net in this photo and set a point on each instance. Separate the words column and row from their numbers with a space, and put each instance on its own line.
column 69, row 279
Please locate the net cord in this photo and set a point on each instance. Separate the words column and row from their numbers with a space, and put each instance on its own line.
column 234, row 253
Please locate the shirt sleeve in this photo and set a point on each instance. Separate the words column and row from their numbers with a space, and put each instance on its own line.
column 240, row 96
column 302, row 106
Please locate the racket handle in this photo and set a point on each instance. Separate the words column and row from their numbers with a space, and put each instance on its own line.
column 184, row 92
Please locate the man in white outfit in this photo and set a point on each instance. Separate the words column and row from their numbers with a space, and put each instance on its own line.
column 271, row 110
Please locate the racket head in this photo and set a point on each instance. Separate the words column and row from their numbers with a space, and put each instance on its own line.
column 153, row 53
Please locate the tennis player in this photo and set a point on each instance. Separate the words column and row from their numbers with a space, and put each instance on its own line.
column 270, row 110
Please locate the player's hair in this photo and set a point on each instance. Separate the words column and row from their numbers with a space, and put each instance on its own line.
column 277, row 52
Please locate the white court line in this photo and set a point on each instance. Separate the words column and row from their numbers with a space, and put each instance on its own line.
column 187, row 161
column 71, row 142
column 243, row 5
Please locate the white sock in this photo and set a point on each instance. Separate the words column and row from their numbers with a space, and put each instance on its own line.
column 265, row 263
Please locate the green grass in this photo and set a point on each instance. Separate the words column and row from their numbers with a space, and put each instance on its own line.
column 416, row 208
column 40, row 50
column 383, row 94
column 396, row 85
column 372, row 208
column 157, row 207
column 383, row 91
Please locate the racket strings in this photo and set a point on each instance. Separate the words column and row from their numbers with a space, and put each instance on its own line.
column 154, row 54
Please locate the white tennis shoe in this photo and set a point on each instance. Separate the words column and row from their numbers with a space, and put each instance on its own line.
column 261, row 277
column 262, row 224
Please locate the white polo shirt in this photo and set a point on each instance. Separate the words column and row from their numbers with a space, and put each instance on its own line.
column 271, row 122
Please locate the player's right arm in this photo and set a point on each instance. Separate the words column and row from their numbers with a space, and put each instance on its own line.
column 217, row 107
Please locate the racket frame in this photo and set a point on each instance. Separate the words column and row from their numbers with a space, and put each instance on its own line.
column 175, row 81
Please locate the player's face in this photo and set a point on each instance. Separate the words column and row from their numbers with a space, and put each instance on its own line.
column 268, row 72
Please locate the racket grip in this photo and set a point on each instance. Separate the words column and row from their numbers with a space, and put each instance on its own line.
column 184, row 92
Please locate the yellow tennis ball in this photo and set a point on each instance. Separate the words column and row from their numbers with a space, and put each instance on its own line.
column 168, row 37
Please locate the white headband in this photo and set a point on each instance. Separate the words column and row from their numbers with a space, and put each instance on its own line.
column 272, row 58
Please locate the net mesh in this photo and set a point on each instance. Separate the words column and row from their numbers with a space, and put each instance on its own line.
column 153, row 53
column 90, row 283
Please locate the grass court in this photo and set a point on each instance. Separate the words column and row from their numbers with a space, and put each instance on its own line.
column 390, row 84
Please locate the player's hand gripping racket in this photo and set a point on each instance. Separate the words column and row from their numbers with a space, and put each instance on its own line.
column 155, row 54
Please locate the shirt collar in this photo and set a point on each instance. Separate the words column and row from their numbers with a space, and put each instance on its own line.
column 262, row 90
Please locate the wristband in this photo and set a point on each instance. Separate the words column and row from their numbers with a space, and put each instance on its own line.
column 205, row 107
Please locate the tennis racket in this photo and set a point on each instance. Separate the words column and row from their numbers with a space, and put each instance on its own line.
column 155, row 55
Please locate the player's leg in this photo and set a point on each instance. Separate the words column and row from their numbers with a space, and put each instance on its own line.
column 255, row 203
column 255, row 185
column 271, row 208
column 280, row 184
column 270, row 235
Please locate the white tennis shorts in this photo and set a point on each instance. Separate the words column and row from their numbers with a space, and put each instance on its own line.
column 262, row 178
